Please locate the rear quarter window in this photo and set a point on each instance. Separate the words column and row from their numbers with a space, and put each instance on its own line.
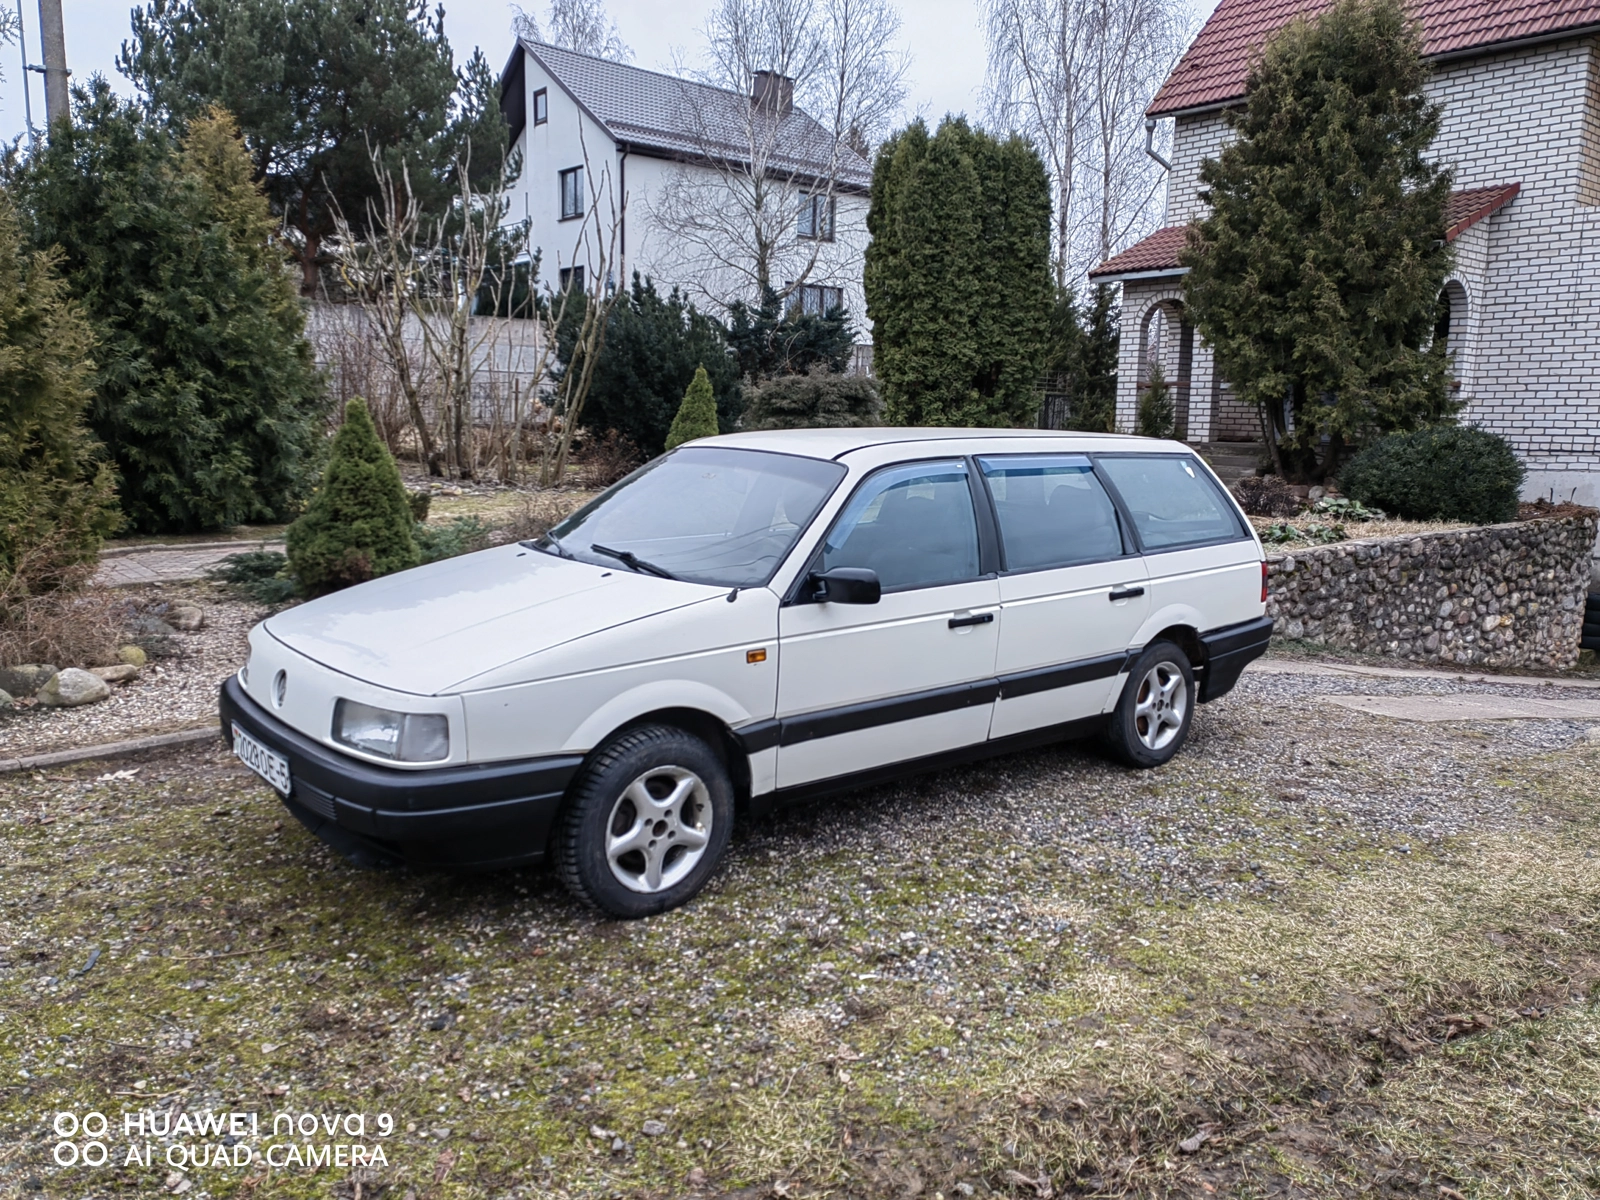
column 1172, row 500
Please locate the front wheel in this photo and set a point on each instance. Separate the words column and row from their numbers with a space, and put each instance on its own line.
column 646, row 823
column 1151, row 720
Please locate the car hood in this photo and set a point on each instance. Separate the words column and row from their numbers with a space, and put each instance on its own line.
column 425, row 630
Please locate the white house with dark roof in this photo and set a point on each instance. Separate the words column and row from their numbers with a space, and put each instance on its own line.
column 671, row 159
column 1519, row 83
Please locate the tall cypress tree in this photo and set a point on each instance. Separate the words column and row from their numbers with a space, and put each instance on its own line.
column 57, row 493
column 1317, row 273
column 204, row 391
column 958, row 276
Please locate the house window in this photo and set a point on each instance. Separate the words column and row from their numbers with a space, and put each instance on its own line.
column 572, row 277
column 571, row 193
column 541, row 106
column 815, row 300
column 816, row 218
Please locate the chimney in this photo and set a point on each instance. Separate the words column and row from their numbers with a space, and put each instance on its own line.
column 771, row 92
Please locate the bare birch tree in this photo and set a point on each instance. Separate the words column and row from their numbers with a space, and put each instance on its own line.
column 580, row 25
column 788, row 101
column 1075, row 76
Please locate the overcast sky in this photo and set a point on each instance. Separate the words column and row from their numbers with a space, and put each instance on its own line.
column 944, row 38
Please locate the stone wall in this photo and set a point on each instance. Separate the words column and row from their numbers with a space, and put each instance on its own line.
column 1496, row 595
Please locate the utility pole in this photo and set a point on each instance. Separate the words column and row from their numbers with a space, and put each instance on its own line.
column 57, row 102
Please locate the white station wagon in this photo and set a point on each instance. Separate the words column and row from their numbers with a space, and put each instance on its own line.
column 750, row 619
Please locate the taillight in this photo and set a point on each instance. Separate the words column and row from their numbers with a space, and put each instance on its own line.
column 1263, row 581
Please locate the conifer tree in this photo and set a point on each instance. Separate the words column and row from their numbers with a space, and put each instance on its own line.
column 1157, row 417
column 1317, row 273
column 358, row 524
column 205, row 391
column 57, row 493
column 697, row 418
column 957, row 276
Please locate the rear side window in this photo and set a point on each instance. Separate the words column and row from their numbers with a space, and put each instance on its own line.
column 913, row 525
column 1172, row 501
column 1053, row 511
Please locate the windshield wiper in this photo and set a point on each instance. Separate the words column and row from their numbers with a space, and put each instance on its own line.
column 629, row 559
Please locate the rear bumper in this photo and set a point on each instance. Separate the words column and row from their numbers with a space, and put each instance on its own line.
column 475, row 816
column 1228, row 651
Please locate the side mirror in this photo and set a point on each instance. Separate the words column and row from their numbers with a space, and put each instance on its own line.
column 846, row 585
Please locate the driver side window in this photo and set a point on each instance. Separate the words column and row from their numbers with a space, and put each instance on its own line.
column 914, row 525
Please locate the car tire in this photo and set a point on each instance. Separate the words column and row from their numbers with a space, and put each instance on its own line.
column 610, row 856
column 1151, row 720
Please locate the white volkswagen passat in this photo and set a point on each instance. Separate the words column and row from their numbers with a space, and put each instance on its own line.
column 750, row 619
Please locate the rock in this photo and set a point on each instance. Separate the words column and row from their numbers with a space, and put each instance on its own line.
column 121, row 673
column 132, row 655
column 6, row 700
column 25, row 679
column 151, row 627
column 654, row 1128
column 1316, row 493
column 73, row 687
column 187, row 617
column 697, row 1177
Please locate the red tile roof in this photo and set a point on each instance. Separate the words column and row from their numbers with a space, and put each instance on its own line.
column 1159, row 251
column 1215, row 67
column 1470, row 205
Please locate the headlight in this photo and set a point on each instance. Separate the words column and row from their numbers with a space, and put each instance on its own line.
column 404, row 737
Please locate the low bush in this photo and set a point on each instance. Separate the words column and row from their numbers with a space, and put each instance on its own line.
column 818, row 399
column 601, row 461
column 458, row 535
column 1266, row 496
column 540, row 513
column 258, row 575
column 358, row 525
column 75, row 625
column 1442, row 473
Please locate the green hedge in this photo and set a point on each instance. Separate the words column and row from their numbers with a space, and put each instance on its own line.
column 1442, row 473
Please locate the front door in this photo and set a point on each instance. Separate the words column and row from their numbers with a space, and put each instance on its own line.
column 1072, row 592
column 867, row 685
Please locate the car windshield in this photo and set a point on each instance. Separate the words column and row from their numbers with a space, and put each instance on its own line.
column 717, row 516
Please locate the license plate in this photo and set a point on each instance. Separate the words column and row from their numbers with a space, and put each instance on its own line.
column 274, row 768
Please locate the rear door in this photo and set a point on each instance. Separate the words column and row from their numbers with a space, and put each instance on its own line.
column 1198, row 551
column 1072, row 590
column 867, row 685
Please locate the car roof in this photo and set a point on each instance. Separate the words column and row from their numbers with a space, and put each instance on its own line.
column 836, row 443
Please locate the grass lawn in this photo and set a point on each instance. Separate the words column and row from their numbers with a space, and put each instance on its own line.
column 1320, row 954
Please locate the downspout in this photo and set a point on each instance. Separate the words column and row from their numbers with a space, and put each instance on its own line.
column 1150, row 143
column 622, row 220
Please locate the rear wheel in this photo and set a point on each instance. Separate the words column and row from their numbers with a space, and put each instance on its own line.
column 1151, row 720
column 646, row 823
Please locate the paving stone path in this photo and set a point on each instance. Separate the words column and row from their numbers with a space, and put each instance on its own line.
column 169, row 564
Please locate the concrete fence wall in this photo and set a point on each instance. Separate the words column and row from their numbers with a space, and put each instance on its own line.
column 1497, row 595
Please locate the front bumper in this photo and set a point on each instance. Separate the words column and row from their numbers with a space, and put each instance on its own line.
column 1228, row 651
column 475, row 816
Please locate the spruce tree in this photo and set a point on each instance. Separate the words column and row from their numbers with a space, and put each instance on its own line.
column 697, row 418
column 1317, row 273
column 653, row 346
column 358, row 524
column 1157, row 416
column 57, row 492
column 769, row 342
column 205, row 392
column 957, row 276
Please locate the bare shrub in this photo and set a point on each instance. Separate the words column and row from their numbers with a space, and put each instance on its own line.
column 540, row 512
column 72, row 626
column 602, row 460
column 1266, row 496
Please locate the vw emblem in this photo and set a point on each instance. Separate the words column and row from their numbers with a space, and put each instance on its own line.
column 280, row 684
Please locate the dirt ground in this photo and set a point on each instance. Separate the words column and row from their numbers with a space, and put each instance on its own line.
column 1320, row 954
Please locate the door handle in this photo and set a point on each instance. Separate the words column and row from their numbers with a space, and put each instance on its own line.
column 972, row 619
column 1127, row 593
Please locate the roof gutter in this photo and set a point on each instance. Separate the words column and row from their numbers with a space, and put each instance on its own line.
column 1150, row 143
column 1132, row 276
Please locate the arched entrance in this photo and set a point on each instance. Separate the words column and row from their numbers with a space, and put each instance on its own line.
column 1167, row 338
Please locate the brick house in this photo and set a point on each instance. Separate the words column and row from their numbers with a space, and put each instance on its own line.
column 1519, row 82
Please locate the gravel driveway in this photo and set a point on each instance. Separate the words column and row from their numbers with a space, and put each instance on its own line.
column 1039, row 976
